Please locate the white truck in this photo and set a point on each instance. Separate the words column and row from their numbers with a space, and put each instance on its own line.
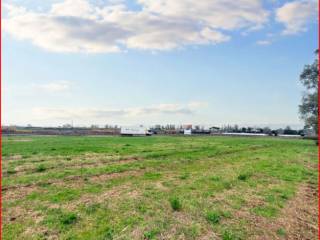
column 135, row 131
column 187, row 131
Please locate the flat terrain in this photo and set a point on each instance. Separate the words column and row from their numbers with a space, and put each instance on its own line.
column 159, row 188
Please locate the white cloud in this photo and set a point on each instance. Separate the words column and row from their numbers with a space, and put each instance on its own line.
column 81, row 26
column 264, row 42
column 54, row 87
column 297, row 15
column 107, row 113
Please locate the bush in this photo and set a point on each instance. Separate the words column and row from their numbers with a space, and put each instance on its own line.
column 175, row 204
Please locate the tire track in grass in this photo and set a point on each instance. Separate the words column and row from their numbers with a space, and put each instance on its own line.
column 19, row 192
column 74, row 165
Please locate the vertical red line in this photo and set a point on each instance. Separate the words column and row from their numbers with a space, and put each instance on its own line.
column 318, row 127
column 0, row 119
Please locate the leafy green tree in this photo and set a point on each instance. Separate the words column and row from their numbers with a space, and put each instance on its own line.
column 309, row 105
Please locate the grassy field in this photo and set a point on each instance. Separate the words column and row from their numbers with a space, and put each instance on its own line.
column 159, row 188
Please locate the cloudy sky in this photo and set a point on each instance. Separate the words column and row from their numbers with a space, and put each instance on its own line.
column 155, row 61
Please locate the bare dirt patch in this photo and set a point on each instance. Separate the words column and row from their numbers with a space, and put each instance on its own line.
column 17, row 193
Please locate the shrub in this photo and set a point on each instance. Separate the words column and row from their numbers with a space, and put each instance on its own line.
column 175, row 204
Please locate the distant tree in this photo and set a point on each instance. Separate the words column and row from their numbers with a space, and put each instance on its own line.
column 267, row 130
column 236, row 128
column 309, row 105
column 67, row 125
column 289, row 131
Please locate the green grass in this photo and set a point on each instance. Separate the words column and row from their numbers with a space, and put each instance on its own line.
column 149, row 188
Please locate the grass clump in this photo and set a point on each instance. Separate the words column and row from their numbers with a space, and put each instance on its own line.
column 40, row 168
column 108, row 235
column 281, row 232
column 214, row 217
column 92, row 208
column 150, row 234
column 228, row 235
column 215, row 178
column 68, row 218
column 267, row 211
column 11, row 171
column 184, row 176
column 175, row 203
column 152, row 175
column 243, row 176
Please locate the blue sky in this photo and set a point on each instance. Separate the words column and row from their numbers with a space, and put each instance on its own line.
column 131, row 62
